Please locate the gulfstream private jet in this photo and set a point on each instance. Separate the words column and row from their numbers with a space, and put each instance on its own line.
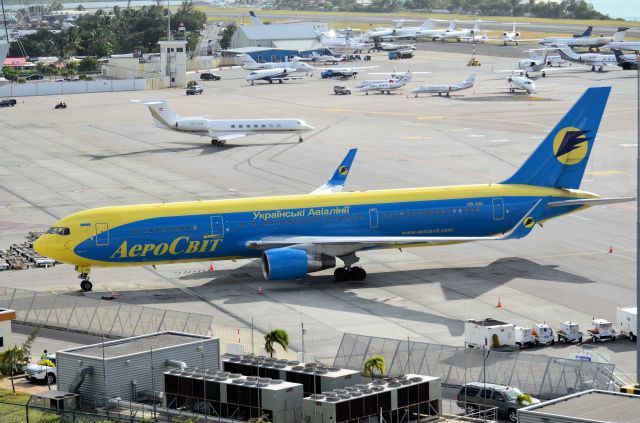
column 221, row 130
column 294, row 235
column 385, row 85
column 444, row 89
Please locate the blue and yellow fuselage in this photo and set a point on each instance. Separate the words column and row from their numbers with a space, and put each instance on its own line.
column 223, row 229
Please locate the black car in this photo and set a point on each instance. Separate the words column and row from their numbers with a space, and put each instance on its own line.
column 207, row 76
column 34, row 77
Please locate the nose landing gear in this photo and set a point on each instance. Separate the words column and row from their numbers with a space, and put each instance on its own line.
column 85, row 284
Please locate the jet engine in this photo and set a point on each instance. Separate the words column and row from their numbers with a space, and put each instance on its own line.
column 192, row 124
column 504, row 34
column 517, row 34
column 290, row 263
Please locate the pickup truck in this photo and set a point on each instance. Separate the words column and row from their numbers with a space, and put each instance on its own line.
column 341, row 90
column 42, row 372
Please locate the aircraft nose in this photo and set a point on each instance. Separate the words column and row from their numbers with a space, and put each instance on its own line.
column 308, row 127
column 40, row 245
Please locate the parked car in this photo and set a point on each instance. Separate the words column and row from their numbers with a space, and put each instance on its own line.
column 34, row 77
column 196, row 89
column 8, row 102
column 207, row 76
column 41, row 372
column 475, row 396
column 341, row 90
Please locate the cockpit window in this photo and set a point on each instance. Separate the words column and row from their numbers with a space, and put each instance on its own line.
column 59, row 230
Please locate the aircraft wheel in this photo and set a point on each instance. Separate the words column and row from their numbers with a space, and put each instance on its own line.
column 341, row 274
column 279, row 81
column 358, row 274
column 270, row 81
column 86, row 286
column 517, row 43
column 366, row 93
column 543, row 74
column 300, row 139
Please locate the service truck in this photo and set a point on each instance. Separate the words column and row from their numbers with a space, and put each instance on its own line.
column 489, row 333
column 569, row 332
column 627, row 323
column 524, row 338
column 602, row 330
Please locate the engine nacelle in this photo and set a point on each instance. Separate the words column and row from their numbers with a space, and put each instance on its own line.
column 517, row 34
column 193, row 124
column 289, row 263
column 504, row 34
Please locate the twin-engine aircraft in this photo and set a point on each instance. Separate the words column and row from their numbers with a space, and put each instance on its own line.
column 385, row 85
column 583, row 41
column 294, row 235
column 221, row 130
column 444, row 89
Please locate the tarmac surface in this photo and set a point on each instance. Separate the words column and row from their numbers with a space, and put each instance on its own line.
column 103, row 150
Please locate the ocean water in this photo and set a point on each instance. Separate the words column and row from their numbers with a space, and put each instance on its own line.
column 625, row 9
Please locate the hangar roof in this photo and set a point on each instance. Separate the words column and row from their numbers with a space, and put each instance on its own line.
column 279, row 31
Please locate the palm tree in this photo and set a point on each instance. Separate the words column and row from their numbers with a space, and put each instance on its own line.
column 372, row 364
column 9, row 359
column 276, row 336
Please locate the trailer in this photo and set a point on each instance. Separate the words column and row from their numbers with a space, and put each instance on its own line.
column 627, row 323
column 569, row 332
column 524, row 338
column 489, row 333
column 543, row 334
column 602, row 330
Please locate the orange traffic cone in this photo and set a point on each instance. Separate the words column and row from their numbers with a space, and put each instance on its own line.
column 610, row 249
column 211, row 266
column 499, row 304
column 260, row 291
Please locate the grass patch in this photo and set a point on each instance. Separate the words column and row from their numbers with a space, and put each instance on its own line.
column 6, row 395
column 224, row 14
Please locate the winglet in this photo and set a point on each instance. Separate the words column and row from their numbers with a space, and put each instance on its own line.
column 339, row 177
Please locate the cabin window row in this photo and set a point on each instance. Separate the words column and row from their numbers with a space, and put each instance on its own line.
column 164, row 229
column 340, row 218
column 264, row 125
column 430, row 212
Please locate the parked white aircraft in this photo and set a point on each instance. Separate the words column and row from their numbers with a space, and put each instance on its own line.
column 221, row 130
column 279, row 74
column 391, row 46
column 434, row 34
column 624, row 45
column 521, row 83
column 249, row 64
column 535, row 63
column 320, row 59
column 586, row 41
column 341, row 42
column 462, row 33
column 513, row 36
column 595, row 60
column 476, row 38
column 411, row 31
column 444, row 89
column 385, row 85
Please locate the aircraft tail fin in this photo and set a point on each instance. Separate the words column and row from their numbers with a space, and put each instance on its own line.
column 619, row 35
column 245, row 59
column 561, row 159
column 618, row 54
column 452, row 26
column 470, row 79
column 163, row 115
column 255, row 20
column 586, row 33
column 567, row 53
column 428, row 24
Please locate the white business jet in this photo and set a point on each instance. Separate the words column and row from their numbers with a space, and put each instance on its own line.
column 249, row 64
column 461, row 34
column 595, row 60
column 434, row 34
column 521, row 83
column 591, row 42
column 221, row 130
column 444, row 89
column 624, row 45
column 385, row 85
column 279, row 74
column 513, row 36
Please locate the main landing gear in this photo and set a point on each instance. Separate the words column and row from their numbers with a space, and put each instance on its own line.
column 218, row 143
column 300, row 138
column 343, row 274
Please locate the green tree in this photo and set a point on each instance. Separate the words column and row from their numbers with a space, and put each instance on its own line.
column 12, row 357
column 276, row 336
column 88, row 64
column 372, row 364
column 228, row 32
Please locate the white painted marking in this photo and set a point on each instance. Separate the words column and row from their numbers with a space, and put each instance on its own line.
column 629, row 145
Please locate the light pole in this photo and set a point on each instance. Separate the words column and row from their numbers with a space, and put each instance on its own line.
column 638, row 213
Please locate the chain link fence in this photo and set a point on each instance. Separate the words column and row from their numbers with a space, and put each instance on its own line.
column 27, row 413
column 541, row 376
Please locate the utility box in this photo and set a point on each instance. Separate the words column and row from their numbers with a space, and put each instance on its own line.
column 233, row 396
column 489, row 333
column 132, row 368
column 313, row 377
column 627, row 323
column 412, row 398
column 57, row 400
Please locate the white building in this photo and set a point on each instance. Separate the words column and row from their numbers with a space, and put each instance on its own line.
column 6, row 338
column 173, row 61
column 293, row 36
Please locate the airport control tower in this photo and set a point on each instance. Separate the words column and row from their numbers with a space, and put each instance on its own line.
column 173, row 61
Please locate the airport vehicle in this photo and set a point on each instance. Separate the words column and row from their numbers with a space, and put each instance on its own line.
column 195, row 89
column 602, row 330
column 341, row 90
column 385, row 85
column 42, row 372
column 401, row 54
column 294, row 235
column 249, row 64
column 474, row 62
column 624, row 45
column 521, row 83
column 221, row 130
column 590, row 42
column 208, row 76
column 569, row 332
column 343, row 72
column 474, row 396
column 627, row 323
column 60, row 105
column 524, row 338
column 543, row 334
column 444, row 89
column 489, row 333
column 595, row 60
column 8, row 102
column 625, row 64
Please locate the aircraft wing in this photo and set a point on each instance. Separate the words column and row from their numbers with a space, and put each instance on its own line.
column 589, row 201
column 339, row 177
column 343, row 245
column 222, row 136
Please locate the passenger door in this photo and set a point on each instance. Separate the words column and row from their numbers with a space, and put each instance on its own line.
column 217, row 227
column 373, row 218
column 498, row 209
column 499, row 400
column 102, row 234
